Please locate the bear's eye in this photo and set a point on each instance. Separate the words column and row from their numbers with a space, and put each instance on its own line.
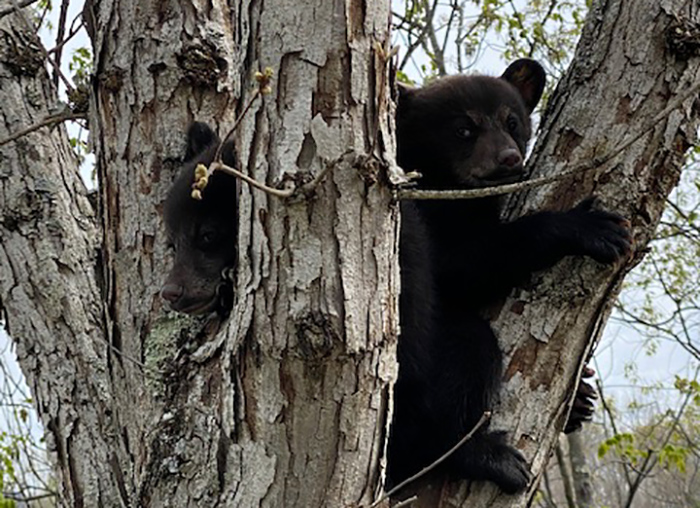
column 206, row 238
column 512, row 123
column 463, row 132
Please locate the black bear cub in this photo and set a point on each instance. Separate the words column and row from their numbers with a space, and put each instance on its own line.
column 458, row 257
column 203, row 233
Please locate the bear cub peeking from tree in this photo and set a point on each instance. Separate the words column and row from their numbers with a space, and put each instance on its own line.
column 457, row 258
column 203, row 233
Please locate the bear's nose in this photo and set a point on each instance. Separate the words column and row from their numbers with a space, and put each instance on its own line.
column 509, row 158
column 171, row 292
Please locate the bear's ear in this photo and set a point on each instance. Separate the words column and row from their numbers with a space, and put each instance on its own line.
column 200, row 137
column 528, row 77
column 228, row 154
column 406, row 92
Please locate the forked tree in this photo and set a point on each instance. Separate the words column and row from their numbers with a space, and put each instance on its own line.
column 287, row 402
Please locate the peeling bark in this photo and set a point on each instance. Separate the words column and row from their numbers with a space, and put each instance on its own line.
column 286, row 404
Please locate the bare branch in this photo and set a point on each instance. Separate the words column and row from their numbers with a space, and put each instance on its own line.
column 565, row 476
column 406, row 502
column 547, row 494
column 46, row 122
column 74, row 29
column 613, row 424
column 60, row 33
column 280, row 193
column 643, row 473
column 238, row 121
column 29, row 499
column 438, row 54
column 484, row 418
column 57, row 68
column 422, row 29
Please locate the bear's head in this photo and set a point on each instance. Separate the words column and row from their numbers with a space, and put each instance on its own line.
column 203, row 233
column 469, row 131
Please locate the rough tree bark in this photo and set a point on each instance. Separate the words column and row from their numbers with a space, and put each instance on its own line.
column 635, row 58
column 48, row 277
column 287, row 404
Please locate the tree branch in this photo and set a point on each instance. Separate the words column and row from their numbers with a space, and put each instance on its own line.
column 60, row 34
column 46, row 122
column 16, row 7
column 609, row 412
column 484, row 418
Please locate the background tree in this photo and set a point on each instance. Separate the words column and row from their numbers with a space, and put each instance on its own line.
column 141, row 407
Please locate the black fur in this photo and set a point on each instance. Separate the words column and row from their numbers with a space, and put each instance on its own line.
column 203, row 232
column 584, row 403
column 456, row 258
column 463, row 132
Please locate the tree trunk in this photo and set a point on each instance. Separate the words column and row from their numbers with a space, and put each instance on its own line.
column 581, row 472
column 635, row 58
column 286, row 404
column 566, row 476
column 49, row 291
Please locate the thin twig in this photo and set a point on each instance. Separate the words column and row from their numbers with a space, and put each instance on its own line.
column 21, row 499
column 483, row 192
column 613, row 424
column 263, row 79
column 238, row 121
column 309, row 187
column 57, row 70
column 484, row 418
column 448, row 27
column 305, row 189
column 536, row 182
column 71, row 33
column 422, row 32
column 406, row 502
column 438, row 55
column 44, row 52
column 46, row 122
column 643, row 472
column 280, row 193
